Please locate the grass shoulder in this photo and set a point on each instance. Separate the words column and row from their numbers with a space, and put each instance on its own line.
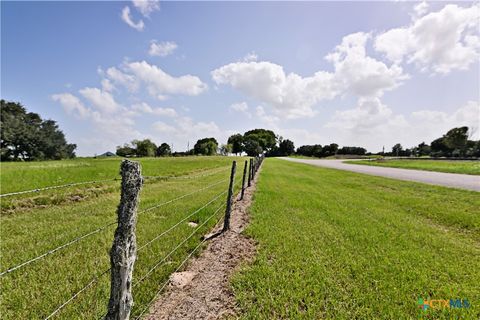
column 449, row 166
column 337, row 245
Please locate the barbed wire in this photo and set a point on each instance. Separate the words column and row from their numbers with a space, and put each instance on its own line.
column 57, row 187
column 189, row 176
column 57, row 248
column 186, row 176
column 99, row 229
column 76, row 294
column 176, row 248
column 176, row 270
column 96, row 278
column 183, row 220
column 181, row 197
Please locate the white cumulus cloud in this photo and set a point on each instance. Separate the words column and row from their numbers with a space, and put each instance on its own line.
column 144, row 107
column 289, row 94
column 159, row 82
column 439, row 42
column 127, row 18
column 162, row 49
column 359, row 73
column 241, row 107
column 146, row 6
column 71, row 104
column 100, row 99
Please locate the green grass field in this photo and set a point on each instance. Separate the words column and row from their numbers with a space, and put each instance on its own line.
column 339, row 245
column 35, row 290
column 457, row 166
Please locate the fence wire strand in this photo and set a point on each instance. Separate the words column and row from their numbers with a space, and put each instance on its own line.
column 88, row 285
column 183, row 220
column 210, row 172
column 99, row 229
column 180, row 197
column 96, row 278
column 176, row 270
column 58, row 187
column 176, row 248
column 63, row 246
column 186, row 176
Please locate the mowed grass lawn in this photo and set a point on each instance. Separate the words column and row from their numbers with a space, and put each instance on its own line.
column 339, row 245
column 452, row 166
column 29, row 229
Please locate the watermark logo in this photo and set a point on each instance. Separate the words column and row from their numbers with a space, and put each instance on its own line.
column 443, row 304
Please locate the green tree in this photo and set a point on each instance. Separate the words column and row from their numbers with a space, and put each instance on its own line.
column 26, row 136
column 397, row 149
column 126, row 151
column 206, row 146
column 145, row 148
column 163, row 150
column 439, row 148
column 266, row 139
column 286, row 147
column 225, row 149
column 423, row 149
column 236, row 141
column 252, row 147
column 456, row 139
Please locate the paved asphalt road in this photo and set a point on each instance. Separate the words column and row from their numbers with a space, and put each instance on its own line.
column 454, row 180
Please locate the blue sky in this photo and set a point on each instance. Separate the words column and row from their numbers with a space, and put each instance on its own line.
column 356, row 73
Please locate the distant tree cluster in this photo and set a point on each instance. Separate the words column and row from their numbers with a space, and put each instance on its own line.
column 206, row 147
column 143, row 148
column 320, row 151
column 259, row 141
column 455, row 143
column 26, row 136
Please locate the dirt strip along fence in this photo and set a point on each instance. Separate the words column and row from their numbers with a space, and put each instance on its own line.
column 124, row 251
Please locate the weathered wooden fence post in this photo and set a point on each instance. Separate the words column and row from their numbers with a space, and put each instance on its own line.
column 243, row 179
column 253, row 168
column 250, row 173
column 228, row 210
column 124, row 249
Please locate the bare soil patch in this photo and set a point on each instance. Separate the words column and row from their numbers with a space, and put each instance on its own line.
column 202, row 290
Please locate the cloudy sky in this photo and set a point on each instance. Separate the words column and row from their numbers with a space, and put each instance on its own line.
column 367, row 74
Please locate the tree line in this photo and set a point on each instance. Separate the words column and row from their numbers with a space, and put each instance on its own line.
column 455, row 143
column 253, row 143
column 259, row 141
column 26, row 136
column 320, row 151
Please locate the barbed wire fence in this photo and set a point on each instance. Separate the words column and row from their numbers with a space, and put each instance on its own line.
column 116, row 313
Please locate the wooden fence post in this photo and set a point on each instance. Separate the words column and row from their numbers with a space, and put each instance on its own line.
column 228, row 210
column 253, row 168
column 124, row 249
column 250, row 173
column 243, row 179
